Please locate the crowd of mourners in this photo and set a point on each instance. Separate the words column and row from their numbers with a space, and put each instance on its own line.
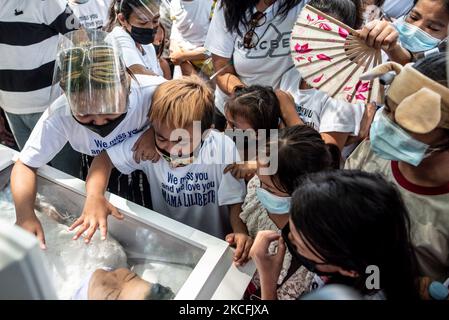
column 148, row 99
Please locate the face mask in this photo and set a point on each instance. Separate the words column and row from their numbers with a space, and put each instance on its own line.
column 390, row 142
column 143, row 35
column 415, row 39
column 105, row 129
column 273, row 203
column 307, row 263
column 176, row 162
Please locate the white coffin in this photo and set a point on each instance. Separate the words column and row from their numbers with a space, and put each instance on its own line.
column 213, row 277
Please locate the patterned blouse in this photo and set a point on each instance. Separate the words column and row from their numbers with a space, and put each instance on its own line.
column 256, row 218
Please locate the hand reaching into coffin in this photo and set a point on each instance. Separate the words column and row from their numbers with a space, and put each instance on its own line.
column 242, row 243
column 33, row 225
column 95, row 214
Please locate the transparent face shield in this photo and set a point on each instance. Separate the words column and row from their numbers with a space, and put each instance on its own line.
column 146, row 10
column 91, row 74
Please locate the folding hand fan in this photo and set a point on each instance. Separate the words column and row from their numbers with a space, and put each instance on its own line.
column 331, row 57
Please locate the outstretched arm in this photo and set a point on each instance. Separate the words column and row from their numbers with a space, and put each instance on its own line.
column 96, row 208
column 289, row 115
column 227, row 79
column 239, row 237
column 24, row 189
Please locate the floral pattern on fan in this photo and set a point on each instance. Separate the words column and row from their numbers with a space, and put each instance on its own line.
column 361, row 89
column 321, row 23
column 331, row 57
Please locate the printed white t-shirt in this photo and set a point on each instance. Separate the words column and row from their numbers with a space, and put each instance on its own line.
column 92, row 14
column 427, row 208
column 57, row 126
column 191, row 20
column 266, row 64
column 197, row 194
column 325, row 114
column 132, row 55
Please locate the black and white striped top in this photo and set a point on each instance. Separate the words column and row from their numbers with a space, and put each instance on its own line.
column 29, row 32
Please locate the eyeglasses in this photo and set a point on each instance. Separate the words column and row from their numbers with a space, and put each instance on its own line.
column 251, row 39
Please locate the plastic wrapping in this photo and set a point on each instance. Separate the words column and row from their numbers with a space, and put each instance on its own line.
column 69, row 261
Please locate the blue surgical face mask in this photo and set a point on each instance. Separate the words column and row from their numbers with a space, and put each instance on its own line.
column 274, row 204
column 391, row 142
column 414, row 38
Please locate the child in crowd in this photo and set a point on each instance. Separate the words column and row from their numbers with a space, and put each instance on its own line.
column 268, row 199
column 337, row 121
column 134, row 23
column 255, row 110
column 349, row 228
column 191, row 20
column 187, row 183
column 159, row 44
column 102, row 105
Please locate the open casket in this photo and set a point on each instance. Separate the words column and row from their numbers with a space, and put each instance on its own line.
column 147, row 236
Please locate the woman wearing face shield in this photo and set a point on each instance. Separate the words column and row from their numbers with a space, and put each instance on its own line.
column 102, row 105
column 421, row 32
column 409, row 145
column 134, row 24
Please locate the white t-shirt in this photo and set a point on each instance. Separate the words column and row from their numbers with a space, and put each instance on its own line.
column 28, row 48
column 92, row 14
column 427, row 207
column 266, row 64
column 191, row 20
column 325, row 114
column 132, row 55
column 197, row 194
column 57, row 126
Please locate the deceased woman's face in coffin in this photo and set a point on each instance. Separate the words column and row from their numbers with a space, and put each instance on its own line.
column 120, row 284
column 123, row 284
